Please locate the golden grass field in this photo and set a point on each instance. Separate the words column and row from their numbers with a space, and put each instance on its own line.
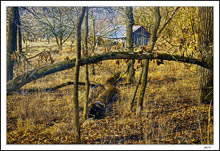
column 172, row 112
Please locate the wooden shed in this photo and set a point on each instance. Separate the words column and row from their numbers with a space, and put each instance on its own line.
column 118, row 32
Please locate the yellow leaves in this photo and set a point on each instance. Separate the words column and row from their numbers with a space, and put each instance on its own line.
column 107, row 121
column 127, row 127
column 158, row 98
column 28, row 54
column 67, row 137
column 32, row 139
column 45, row 141
column 13, row 56
column 138, row 73
column 155, row 54
column 86, row 138
column 26, row 134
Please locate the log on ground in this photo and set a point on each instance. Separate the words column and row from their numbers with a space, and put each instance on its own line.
column 98, row 107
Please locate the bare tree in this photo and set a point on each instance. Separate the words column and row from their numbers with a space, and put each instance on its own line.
column 76, row 75
column 58, row 21
column 31, row 29
column 60, row 24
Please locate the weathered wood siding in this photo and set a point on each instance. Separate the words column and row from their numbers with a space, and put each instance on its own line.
column 141, row 37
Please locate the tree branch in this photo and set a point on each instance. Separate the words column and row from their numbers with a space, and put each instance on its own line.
column 43, row 71
column 168, row 21
column 53, row 88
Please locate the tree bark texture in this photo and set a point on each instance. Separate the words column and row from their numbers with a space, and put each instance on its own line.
column 52, row 88
column 41, row 72
column 129, row 43
column 129, row 26
column 76, row 76
column 142, row 87
column 19, row 31
column 94, row 43
column 146, row 61
column 11, row 41
column 98, row 107
column 205, row 45
column 85, row 111
column 135, row 92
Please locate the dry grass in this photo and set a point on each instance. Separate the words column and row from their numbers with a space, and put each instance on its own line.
column 172, row 113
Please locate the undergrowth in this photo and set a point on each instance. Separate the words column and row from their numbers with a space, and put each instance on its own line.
column 172, row 112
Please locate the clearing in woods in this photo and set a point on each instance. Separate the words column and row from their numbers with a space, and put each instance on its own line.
column 172, row 113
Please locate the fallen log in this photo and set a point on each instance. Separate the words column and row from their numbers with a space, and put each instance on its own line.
column 52, row 88
column 43, row 71
column 98, row 107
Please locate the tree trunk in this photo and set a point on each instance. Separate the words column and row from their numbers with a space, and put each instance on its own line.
column 94, row 43
column 85, row 111
column 26, row 44
column 76, row 77
column 61, row 43
column 43, row 71
column 205, row 45
column 19, row 32
column 129, row 43
column 146, row 62
column 57, row 41
column 143, row 87
column 135, row 92
column 71, row 47
column 11, row 41
column 48, row 39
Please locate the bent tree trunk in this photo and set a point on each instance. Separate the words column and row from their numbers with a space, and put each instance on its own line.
column 41, row 72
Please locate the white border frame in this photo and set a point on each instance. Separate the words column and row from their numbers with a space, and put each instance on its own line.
column 4, row 4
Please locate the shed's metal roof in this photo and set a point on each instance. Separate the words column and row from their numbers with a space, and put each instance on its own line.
column 115, row 31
